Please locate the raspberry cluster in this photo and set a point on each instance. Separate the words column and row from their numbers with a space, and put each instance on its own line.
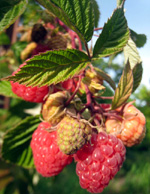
column 98, row 150
column 90, row 133
column 75, row 125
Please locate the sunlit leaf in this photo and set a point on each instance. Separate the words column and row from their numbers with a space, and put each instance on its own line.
column 10, row 11
column 131, row 54
column 76, row 14
column 114, row 36
column 51, row 67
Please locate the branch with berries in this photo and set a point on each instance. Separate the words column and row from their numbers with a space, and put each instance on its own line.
column 66, row 77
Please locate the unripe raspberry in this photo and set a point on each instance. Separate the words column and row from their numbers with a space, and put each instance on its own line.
column 98, row 162
column 48, row 159
column 53, row 108
column 72, row 134
column 57, row 42
column 132, row 128
column 31, row 94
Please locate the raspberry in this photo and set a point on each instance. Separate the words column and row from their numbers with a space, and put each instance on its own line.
column 105, row 106
column 40, row 48
column 48, row 159
column 131, row 130
column 31, row 94
column 98, row 162
column 70, row 84
column 72, row 134
column 57, row 41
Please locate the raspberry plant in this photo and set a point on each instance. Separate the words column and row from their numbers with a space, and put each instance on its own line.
column 61, row 72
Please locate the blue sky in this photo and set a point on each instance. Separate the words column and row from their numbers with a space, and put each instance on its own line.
column 138, row 17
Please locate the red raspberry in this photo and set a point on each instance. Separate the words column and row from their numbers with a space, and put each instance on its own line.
column 70, row 84
column 40, row 49
column 31, row 94
column 105, row 106
column 48, row 159
column 98, row 162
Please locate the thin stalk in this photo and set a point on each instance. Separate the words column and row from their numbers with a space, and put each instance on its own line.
column 96, row 29
column 104, row 97
column 76, row 90
column 111, row 115
column 87, row 49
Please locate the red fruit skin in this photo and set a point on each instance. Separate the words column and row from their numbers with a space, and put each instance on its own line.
column 105, row 106
column 31, row 94
column 48, row 159
column 98, row 162
column 40, row 49
column 70, row 84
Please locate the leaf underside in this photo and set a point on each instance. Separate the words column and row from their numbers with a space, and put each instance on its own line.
column 106, row 77
column 131, row 54
column 137, row 76
column 124, row 89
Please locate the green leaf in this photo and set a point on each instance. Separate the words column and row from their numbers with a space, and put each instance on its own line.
column 17, row 112
column 5, row 89
column 139, row 39
column 119, row 2
column 131, row 54
column 10, row 11
column 17, row 48
column 4, row 69
column 16, row 142
column 51, row 67
column 96, row 12
column 124, row 89
column 106, row 77
column 76, row 14
column 114, row 36
column 4, row 39
column 137, row 75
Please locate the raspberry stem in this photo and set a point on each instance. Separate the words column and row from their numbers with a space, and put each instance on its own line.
column 76, row 90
